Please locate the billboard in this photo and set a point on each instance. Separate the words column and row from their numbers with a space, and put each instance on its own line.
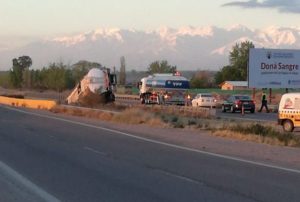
column 274, row 68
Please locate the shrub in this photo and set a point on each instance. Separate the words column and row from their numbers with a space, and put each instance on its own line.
column 265, row 131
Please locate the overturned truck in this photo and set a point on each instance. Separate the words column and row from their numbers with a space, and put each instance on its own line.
column 97, row 87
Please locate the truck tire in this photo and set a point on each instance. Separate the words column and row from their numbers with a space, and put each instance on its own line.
column 288, row 125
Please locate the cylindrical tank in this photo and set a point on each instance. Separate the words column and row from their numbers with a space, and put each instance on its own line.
column 97, row 80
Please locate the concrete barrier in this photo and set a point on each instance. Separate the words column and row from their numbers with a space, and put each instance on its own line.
column 35, row 104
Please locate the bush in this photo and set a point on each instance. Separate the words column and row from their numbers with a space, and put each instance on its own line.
column 264, row 131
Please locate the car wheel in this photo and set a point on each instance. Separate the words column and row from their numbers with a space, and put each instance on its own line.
column 223, row 108
column 288, row 126
column 232, row 109
column 252, row 111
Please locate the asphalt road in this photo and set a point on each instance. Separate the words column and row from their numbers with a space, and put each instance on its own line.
column 64, row 160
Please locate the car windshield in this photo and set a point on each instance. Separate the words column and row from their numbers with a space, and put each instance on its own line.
column 242, row 97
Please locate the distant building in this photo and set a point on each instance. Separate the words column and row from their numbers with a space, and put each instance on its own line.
column 234, row 85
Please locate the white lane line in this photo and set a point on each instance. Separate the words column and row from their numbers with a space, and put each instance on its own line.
column 162, row 143
column 180, row 177
column 94, row 151
column 26, row 183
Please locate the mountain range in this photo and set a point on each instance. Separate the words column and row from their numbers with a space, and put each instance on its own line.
column 189, row 48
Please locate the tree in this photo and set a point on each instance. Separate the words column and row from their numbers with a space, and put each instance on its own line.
column 238, row 58
column 23, row 62
column 26, row 78
column 5, row 79
column 122, row 76
column 161, row 67
column 17, row 76
column 55, row 77
column 81, row 68
column 20, row 74
column 201, row 79
column 228, row 73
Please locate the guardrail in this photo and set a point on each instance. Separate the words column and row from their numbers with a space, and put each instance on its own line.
column 35, row 104
column 127, row 97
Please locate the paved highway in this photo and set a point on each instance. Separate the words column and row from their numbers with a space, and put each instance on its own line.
column 44, row 157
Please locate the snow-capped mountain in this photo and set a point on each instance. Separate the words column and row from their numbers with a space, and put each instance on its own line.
column 189, row 48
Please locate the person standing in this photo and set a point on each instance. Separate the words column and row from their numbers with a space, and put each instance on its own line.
column 264, row 102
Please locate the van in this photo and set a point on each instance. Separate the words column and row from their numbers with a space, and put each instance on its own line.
column 289, row 111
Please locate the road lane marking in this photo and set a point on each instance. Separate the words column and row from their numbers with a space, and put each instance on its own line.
column 95, row 151
column 26, row 183
column 184, row 178
column 159, row 142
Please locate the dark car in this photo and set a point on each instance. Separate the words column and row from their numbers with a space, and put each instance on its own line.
column 237, row 103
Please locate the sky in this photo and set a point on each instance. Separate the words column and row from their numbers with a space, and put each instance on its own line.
column 29, row 19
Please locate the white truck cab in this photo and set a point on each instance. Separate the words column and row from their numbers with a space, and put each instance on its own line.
column 289, row 111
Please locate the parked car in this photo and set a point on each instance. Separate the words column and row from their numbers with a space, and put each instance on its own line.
column 237, row 102
column 204, row 100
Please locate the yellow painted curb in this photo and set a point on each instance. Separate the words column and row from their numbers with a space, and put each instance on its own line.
column 35, row 104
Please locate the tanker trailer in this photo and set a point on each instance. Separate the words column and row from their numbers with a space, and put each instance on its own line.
column 164, row 89
column 96, row 87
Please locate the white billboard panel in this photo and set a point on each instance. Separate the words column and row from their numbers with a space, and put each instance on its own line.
column 274, row 68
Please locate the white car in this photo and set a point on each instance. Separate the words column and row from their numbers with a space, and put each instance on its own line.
column 204, row 100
